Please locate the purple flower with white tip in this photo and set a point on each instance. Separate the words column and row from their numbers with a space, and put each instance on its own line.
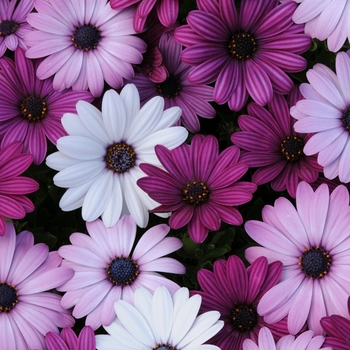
column 107, row 268
column 325, row 112
column 246, row 51
column 305, row 341
column 313, row 243
column 13, row 24
column 27, row 310
column 85, row 43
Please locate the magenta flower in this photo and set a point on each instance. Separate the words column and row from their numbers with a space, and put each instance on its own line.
column 244, row 52
column 200, row 187
column 31, row 110
column 337, row 329
column 176, row 89
column 27, row 311
column 85, row 43
column 313, row 243
column 270, row 143
column 13, row 202
column 325, row 20
column 305, row 341
column 13, row 24
column 68, row 340
column 167, row 11
column 325, row 111
column 106, row 268
column 235, row 292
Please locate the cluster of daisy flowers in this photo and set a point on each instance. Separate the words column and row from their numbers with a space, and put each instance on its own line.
column 174, row 175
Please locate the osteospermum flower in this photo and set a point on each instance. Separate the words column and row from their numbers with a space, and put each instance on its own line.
column 31, row 110
column 305, row 341
column 270, row 143
column 337, row 329
column 176, row 89
column 13, row 24
column 235, row 292
column 312, row 241
column 325, row 20
column 85, row 43
column 245, row 52
column 13, row 187
column 167, row 11
column 107, row 268
column 99, row 160
column 200, row 187
column 160, row 321
column 326, row 113
column 27, row 311
column 68, row 340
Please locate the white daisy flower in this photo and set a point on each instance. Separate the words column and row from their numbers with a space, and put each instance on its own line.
column 160, row 322
column 98, row 162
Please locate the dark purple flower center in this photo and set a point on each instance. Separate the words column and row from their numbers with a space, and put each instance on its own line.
column 346, row 119
column 292, row 148
column 242, row 45
column 170, row 87
column 315, row 262
column 164, row 347
column 195, row 193
column 8, row 297
column 33, row 108
column 8, row 27
column 122, row 271
column 244, row 317
column 120, row 157
column 86, row 37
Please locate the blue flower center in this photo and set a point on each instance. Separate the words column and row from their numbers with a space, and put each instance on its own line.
column 292, row 148
column 315, row 262
column 346, row 119
column 170, row 87
column 120, row 157
column 164, row 347
column 122, row 271
column 86, row 37
column 8, row 297
column 242, row 45
column 244, row 318
column 195, row 193
column 8, row 27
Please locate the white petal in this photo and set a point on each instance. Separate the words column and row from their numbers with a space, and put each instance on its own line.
column 97, row 197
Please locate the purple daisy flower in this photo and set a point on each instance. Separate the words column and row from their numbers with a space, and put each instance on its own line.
column 13, row 24
column 167, row 11
column 337, row 329
column 200, row 187
column 27, row 311
column 68, row 340
column 176, row 88
column 13, row 202
column 313, row 243
column 325, row 111
column 31, row 110
column 305, row 341
column 85, row 44
column 235, row 291
column 246, row 51
column 269, row 142
column 106, row 268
